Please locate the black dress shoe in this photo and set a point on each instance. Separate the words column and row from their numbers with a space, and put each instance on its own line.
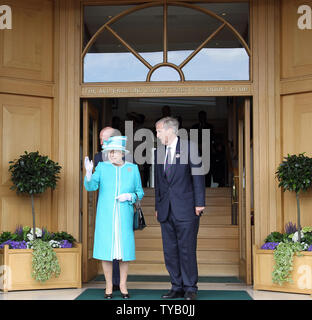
column 173, row 295
column 125, row 295
column 108, row 296
column 190, row 296
column 116, row 287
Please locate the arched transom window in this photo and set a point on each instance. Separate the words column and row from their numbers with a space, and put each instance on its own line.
column 166, row 41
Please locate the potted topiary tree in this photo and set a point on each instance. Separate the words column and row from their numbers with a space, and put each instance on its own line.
column 31, row 261
column 33, row 174
column 284, row 262
column 295, row 174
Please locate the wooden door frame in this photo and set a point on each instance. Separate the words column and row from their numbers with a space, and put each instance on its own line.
column 245, row 268
column 88, row 267
column 264, row 87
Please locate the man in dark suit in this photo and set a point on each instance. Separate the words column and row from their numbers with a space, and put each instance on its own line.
column 105, row 134
column 179, row 202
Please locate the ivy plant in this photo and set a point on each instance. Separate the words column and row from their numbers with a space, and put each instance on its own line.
column 284, row 256
column 33, row 174
column 44, row 261
column 295, row 174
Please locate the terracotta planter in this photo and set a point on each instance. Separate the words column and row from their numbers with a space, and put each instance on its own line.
column 263, row 264
column 16, row 268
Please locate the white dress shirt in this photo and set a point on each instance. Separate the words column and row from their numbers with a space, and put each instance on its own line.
column 173, row 146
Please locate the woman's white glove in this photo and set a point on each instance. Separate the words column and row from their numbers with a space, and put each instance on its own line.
column 124, row 197
column 89, row 167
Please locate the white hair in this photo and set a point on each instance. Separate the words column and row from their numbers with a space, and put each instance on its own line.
column 169, row 122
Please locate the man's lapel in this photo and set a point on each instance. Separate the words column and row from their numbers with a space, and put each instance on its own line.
column 176, row 161
column 161, row 155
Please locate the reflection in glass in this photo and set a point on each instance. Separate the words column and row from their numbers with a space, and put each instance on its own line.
column 225, row 38
column 109, row 61
column 152, row 58
column 96, row 16
column 143, row 31
column 222, row 58
column 113, row 67
column 178, row 56
column 218, row 64
column 187, row 29
column 165, row 74
column 237, row 14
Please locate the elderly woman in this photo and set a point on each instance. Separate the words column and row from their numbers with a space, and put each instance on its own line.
column 119, row 185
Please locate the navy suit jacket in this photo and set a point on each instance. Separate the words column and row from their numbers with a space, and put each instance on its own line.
column 184, row 191
column 97, row 158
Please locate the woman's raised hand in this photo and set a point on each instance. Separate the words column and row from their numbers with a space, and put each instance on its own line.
column 89, row 167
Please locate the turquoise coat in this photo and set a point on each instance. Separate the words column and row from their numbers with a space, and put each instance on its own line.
column 112, row 181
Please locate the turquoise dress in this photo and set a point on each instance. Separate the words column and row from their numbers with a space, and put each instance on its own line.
column 114, row 235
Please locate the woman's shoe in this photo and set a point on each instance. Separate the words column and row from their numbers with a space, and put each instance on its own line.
column 108, row 296
column 125, row 295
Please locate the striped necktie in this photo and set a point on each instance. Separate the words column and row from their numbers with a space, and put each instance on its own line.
column 168, row 162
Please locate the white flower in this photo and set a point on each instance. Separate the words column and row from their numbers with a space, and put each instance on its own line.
column 55, row 244
column 30, row 235
column 295, row 236
column 305, row 246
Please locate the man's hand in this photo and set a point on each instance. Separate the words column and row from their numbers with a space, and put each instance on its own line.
column 156, row 214
column 199, row 210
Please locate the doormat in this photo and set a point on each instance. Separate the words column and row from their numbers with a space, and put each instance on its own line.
column 148, row 294
column 163, row 278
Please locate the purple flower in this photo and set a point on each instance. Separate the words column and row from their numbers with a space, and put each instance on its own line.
column 310, row 248
column 66, row 244
column 270, row 245
column 19, row 231
column 290, row 228
column 14, row 244
column 44, row 231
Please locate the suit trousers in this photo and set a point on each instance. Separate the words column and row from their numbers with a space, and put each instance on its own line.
column 179, row 244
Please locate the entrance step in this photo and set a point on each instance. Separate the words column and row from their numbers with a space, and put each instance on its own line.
column 217, row 245
column 202, row 244
column 212, row 270
column 205, row 231
column 205, row 257
column 204, row 220
column 210, row 210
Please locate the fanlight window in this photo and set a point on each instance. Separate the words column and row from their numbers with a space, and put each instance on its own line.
column 166, row 42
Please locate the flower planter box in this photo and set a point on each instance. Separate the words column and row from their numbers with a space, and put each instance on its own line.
column 263, row 264
column 16, row 268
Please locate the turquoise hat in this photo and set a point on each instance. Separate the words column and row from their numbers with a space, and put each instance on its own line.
column 115, row 143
